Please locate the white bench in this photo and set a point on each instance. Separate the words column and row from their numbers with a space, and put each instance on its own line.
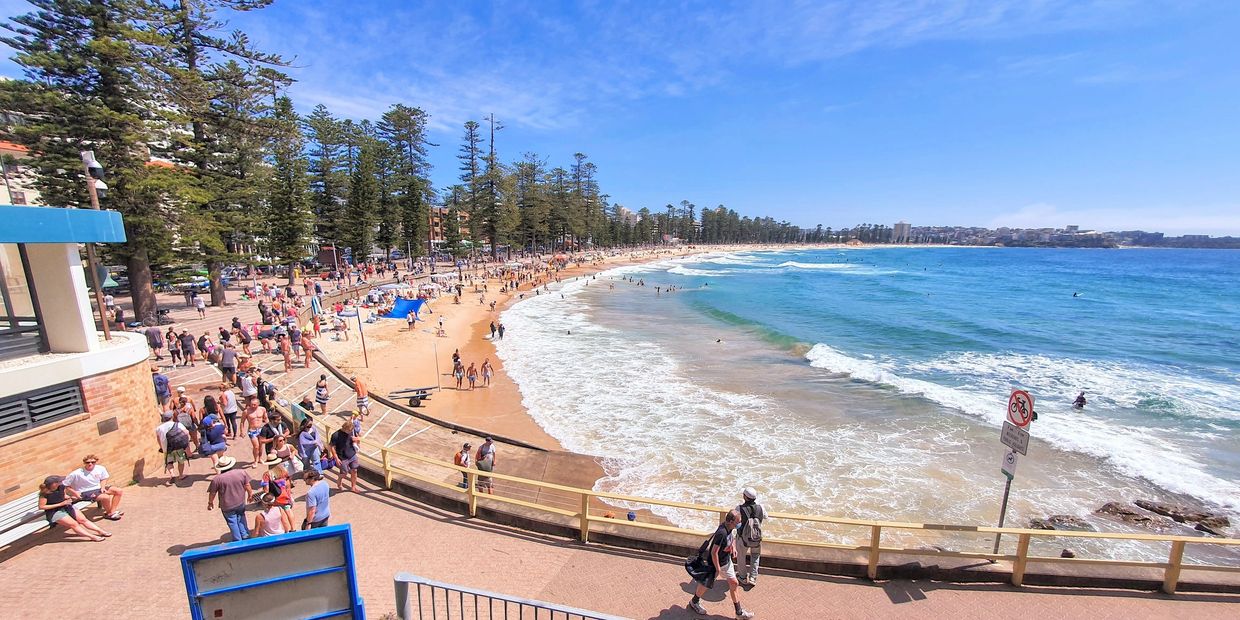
column 22, row 516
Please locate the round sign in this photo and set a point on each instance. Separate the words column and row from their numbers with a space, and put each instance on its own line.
column 1020, row 408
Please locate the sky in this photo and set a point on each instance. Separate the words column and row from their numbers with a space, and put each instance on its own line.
column 1107, row 114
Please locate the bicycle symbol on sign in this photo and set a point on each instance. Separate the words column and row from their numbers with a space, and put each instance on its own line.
column 1020, row 408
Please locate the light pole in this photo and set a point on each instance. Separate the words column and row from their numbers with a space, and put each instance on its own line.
column 94, row 183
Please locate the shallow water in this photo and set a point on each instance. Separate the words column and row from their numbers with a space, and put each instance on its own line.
column 871, row 383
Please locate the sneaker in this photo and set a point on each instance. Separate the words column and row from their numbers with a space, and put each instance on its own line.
column 744, row 614
column 697, row 608
column 746, row 584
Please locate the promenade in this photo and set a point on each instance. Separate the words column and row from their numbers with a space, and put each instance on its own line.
column 136, row 573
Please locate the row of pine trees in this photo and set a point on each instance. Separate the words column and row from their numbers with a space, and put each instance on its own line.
column 166, row 80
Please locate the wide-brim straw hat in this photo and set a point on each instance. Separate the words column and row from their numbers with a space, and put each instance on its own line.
column 272, row 460
column 225, row 463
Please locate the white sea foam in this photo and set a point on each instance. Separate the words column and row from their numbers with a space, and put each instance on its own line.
column 982, row 381
column 689, row 271
column 796, row 265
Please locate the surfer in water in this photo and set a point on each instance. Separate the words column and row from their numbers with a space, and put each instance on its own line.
column 1079, row 403
column 1076, row 294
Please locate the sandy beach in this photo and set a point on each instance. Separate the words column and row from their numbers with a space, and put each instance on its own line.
column 403, row 358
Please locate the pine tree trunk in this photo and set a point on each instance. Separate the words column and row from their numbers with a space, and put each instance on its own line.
column 214, row 268
column 141, row 286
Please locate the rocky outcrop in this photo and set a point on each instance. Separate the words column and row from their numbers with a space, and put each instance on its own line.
column 1216, row 525
column 1061, row 522
column 1203, row 521
column 1125, row 514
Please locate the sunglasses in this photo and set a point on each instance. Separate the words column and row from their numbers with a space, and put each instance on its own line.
column 91, row 462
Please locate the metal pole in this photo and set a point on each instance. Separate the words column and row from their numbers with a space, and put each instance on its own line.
column 435, row 352
column 1007, row 488
column 92, row 261
column 362, row 333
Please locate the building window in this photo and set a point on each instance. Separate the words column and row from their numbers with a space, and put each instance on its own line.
column 18, row 198
column 21, row 332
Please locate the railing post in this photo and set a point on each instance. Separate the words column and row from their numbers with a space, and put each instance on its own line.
column 871, row 569
column 1171, row 576
column 1022, row 559
column 585, row 517
column 402, row 598
column 387, row 469
column 472, row 491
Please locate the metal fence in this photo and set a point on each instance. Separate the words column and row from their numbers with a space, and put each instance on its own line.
column 424, row 599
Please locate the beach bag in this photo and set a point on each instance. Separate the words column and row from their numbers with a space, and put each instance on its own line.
column 700, row 568
column 326, row 463
column 751, row 533
column 177, row 438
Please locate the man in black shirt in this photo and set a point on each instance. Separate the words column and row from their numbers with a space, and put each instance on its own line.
column 720, row 552
column 273, row 428
column 343, row 448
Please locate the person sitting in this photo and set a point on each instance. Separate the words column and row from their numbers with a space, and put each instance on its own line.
column 56, row 502
column 90, row 482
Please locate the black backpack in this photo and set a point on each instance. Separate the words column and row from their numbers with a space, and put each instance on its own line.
column 176, row 437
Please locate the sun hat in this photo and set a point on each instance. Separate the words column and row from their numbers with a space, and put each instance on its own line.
column 180, row 389
column 266, row 498
column 225, row 463
column 272, row 460
column 749, row 493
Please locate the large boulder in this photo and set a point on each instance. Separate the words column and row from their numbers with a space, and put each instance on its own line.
column 1216, row 525
column 1180, row 514
column 1125, row 514
column 1061, row 522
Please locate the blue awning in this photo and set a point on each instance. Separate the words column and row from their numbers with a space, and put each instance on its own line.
column 57, row 225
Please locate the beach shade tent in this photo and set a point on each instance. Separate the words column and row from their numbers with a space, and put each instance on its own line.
column 403, row 307
column 395, row 286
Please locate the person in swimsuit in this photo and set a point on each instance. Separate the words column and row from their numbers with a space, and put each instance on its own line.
column 472, row 375
column 363, row 395
column 321, row 395
column 255, row 417
column 487, row 372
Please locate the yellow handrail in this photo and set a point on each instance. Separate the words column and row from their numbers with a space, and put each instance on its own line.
column 1171, row 568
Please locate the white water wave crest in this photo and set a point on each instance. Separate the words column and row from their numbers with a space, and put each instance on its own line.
column 980, row 389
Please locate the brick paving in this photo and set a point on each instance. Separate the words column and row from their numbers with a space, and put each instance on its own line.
column 136, row 574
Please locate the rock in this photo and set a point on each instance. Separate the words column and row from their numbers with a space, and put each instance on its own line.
column 1215, row 521
column 1127, row 515
column 1067, row 553
column 1180, row 514
column 1061, row 522
column 1211, row 527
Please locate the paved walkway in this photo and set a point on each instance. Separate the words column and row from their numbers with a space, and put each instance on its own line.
column 136, row 574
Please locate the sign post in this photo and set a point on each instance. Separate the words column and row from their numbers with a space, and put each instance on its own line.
column 1016, row 438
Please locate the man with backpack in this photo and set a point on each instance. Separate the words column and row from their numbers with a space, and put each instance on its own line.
column 749, row 538
column 173, row 439
column 718, row 551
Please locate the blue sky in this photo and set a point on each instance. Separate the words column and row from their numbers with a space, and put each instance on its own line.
column 1110, row 114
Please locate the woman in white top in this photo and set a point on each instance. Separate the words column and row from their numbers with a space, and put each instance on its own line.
column 268, row 522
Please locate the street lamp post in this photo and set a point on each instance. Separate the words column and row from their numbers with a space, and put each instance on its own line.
column 94, row 179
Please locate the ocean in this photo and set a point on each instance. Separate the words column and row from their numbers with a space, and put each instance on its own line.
column 872, row 382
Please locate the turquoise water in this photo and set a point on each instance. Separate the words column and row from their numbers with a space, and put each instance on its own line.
column 872, row 382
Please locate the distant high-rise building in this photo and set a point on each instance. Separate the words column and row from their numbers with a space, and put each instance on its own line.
column 1072, row 229
column 900, row 233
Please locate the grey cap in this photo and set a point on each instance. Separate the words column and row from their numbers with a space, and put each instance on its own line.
column 749, row 493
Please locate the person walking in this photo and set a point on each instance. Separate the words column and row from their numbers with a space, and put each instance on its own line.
column 233, row 486
column 472, row 375
column 749, row 538
column 173, row 439
column 174, row 349
column 343, row 448
column 720, row 550
column 318, row 500
column 485, row 461
column 321, row 395
column 487, row 372
column 500, row 329
column 229, row 407
column 463, row 459
column 90, row 482
column 163, row 390
column 228, row 363
column 254, row 417
column 186, row 340
column 155, row 340
column 213, row 442
column 200, row 305
column 363, row 395
column 458, row 373
column 492, row 330
column 307, row 346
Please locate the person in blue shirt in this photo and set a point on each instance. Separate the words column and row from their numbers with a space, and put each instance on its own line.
column 163, row 392
column 318, row 500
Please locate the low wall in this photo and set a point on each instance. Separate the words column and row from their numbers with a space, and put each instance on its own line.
column 116, row 422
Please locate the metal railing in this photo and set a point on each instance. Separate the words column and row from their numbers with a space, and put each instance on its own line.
column 873, row 550
column 435, row 600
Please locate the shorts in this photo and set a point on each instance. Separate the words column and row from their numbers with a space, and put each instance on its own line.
column 729, row 571
column 60, row 514
column 253, row 434
column 363, row 402
column 91, row 495
column 175, row 456
column 318, row 524
column 349, row 464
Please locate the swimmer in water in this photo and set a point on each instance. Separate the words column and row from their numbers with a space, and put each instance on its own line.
column 1076, row 294
column 1079, row 403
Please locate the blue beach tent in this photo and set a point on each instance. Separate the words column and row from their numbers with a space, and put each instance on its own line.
column 402, row 307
